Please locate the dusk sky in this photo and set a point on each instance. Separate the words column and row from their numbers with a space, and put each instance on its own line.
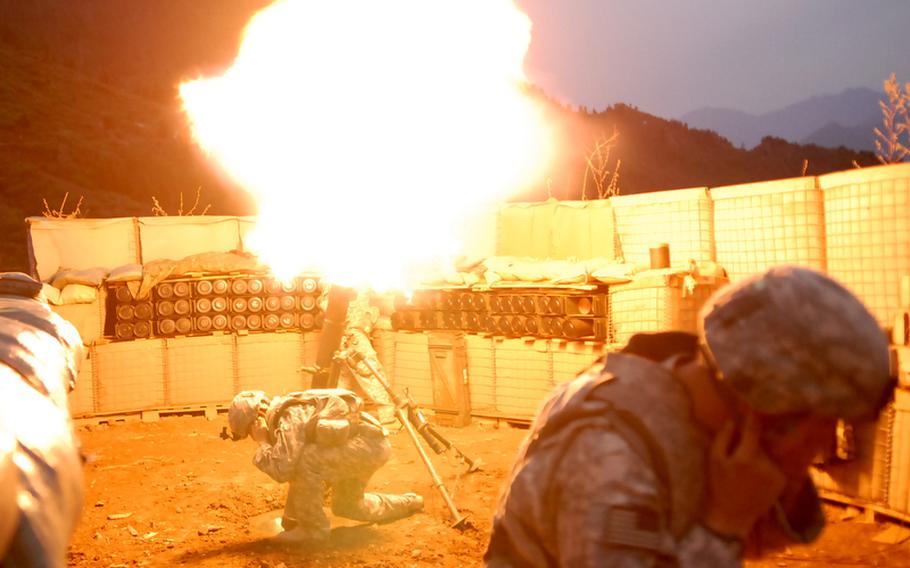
column 668, row 57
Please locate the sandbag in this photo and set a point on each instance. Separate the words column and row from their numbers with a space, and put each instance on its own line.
column 51, row 294
column 85, row 276
column 125, row 273
column 78, row 294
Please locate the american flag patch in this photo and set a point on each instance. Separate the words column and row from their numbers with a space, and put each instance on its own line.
column 636, row 527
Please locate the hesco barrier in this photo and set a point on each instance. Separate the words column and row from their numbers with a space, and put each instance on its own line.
column 760, row 225
column 557, row 229
column 506, row 378
column 681, row 217
column 660, row 303
column 867, row 220
column 179, row 372
column 853, row 224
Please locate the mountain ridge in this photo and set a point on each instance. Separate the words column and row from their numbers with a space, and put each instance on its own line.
column 852, row 108
column 93, row 113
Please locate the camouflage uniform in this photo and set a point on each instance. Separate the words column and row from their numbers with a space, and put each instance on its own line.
column 612, row 474
column 40, row 355
column 298, row 456
column 359, row 324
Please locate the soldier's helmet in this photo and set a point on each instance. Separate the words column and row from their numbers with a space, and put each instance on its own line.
column 792, row 340
column 243, row 411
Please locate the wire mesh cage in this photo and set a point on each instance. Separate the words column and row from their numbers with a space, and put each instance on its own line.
column 661, row 303
column 867, row 220
column 757, row 226
column 682, row 218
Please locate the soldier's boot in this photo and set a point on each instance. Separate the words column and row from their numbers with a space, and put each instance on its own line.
column 302, row 536
column 379, row 507
column 400, row 506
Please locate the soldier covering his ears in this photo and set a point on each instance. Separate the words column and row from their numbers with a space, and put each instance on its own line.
column 693, row 450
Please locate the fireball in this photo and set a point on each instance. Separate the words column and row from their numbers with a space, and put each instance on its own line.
column 368, row 132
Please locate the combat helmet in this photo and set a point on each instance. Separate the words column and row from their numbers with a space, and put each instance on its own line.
column 242, row 412
column 792, row 340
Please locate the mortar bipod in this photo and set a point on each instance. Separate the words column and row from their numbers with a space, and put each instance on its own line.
column 402, row 411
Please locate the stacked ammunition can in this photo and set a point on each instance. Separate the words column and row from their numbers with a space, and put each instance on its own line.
column 132, row 320
column 544, row 313
column 215, row 305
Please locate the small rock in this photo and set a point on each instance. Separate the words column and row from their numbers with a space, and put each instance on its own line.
column 281, row 565
column 117, row 566
column 98, row 536
column 133, row 531
column 99, row 503
column 179, row 509
column 416, row 553
column 118, row 516
column 209, row 529
column 149, row 535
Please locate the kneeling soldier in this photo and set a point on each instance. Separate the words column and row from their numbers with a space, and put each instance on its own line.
column 313, row 436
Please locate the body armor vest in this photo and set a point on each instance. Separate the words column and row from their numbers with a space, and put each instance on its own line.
column 642, row 402
column 336, row 405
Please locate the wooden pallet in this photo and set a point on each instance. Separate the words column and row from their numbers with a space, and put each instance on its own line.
column 871, row 511
column 152, row 415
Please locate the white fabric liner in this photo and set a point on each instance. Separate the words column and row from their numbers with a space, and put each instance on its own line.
column 179, row 237
column 245, row 225
column 764, row 188
column 80, row 243
column 864, row 175
column 479, row 235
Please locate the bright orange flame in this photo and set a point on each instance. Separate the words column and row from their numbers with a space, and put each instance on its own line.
column 368, row 131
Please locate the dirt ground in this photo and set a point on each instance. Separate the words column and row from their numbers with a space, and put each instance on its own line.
column 172, row 492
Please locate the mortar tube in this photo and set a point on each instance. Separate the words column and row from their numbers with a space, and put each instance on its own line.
column 336, row 314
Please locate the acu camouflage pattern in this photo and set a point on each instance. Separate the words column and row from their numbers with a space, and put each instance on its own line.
column 792, row 340
column 243, row 411
column 594, row 486
column 345, row 467
column 361, row 318
column 40, row 354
